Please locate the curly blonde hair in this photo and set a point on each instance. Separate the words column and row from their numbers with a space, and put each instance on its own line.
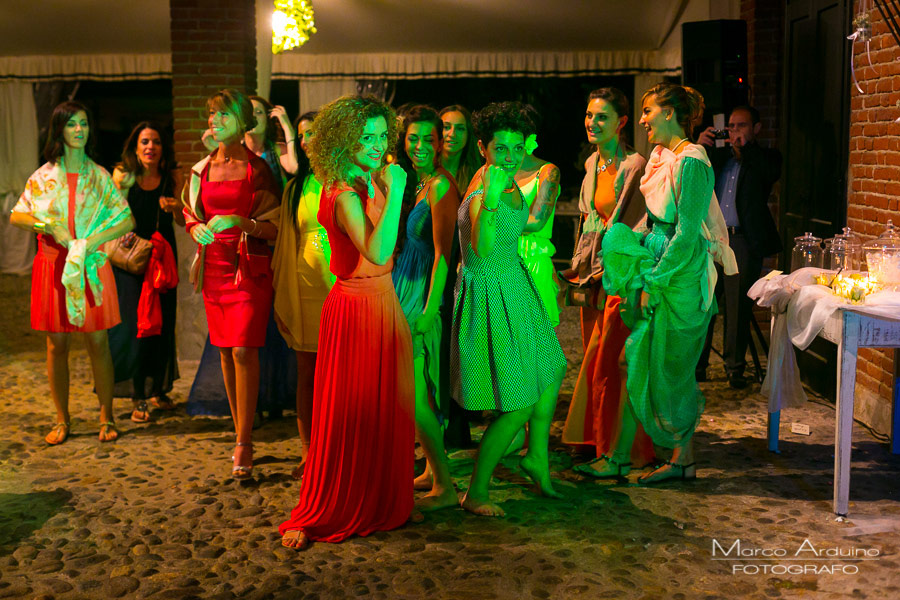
column 337, row 129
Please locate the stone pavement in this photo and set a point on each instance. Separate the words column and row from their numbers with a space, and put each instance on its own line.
column 157, row 515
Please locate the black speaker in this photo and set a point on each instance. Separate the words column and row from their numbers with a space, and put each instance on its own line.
column 714, row 62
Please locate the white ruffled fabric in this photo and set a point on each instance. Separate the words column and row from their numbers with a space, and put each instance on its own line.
column 801, row 308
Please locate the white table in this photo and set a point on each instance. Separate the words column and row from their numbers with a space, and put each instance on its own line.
column 850, row 330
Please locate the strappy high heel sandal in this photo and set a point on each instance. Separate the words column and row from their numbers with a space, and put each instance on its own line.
column 241, row 471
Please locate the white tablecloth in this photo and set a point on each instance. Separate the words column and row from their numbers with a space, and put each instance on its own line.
column 800, row 309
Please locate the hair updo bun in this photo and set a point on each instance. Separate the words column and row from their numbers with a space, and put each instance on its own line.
column 686, row 102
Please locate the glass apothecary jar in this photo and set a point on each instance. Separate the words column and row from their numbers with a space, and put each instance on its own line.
column 807, row 252
column 883, row 258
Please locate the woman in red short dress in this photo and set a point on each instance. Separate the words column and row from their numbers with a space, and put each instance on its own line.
column 232, row 210
column 358, row 476
column 73, row 205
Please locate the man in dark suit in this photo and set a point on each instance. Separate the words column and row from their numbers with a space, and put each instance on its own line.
column 745, row 173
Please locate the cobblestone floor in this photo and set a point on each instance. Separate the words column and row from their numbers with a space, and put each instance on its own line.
column 157, row 515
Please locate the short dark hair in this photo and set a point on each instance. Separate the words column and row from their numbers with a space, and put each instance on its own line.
column 55, row 145
column 501, row 116
column 754, row 114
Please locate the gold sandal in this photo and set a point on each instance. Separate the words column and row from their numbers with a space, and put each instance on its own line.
column 61, row 431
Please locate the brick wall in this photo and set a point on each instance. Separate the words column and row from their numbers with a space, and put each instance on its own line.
column 213, row 47
column 765, row 39
column 875, row 185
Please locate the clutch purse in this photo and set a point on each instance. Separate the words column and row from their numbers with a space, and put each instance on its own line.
column 254, row 257
column 130, row 253
column 589, row 294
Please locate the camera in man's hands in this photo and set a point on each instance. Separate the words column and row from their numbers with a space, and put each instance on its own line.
column 720, row 134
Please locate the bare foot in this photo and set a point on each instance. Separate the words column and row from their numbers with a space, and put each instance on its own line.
column 438, row 499
column 108, row 432
column 416, row 516
column 297, row 473
column 295, row 539
column 484, row 509
column 423, row 481
column 540, row 475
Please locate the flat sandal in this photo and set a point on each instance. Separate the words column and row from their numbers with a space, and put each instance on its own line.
column 585, row 468
column 62, row 428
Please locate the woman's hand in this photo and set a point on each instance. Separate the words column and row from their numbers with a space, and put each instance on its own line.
column 495, row 181
column 59, row 232
column 122, row 179
column 394, row 178
column 220, row 223
column 279, row 113
column 646, row 309
column 170, row 205
column 424, row 323
column 202, row 235
column 209, row 142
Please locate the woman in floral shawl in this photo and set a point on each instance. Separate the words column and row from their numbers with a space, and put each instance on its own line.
column 74, row 207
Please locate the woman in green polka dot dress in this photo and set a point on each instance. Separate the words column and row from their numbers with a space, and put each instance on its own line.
column 505, row 355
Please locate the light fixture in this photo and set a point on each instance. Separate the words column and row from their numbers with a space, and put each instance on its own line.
column 292, row 24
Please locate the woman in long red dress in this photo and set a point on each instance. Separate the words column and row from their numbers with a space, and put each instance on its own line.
column 232, row 210
column 358, row 476
column 73, row 205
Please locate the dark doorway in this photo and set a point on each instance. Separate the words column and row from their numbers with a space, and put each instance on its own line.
column 120, row 105
column 815, row 131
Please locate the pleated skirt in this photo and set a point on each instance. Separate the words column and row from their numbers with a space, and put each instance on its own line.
column 359, row 470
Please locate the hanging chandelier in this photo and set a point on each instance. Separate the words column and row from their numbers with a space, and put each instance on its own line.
column 292, row 24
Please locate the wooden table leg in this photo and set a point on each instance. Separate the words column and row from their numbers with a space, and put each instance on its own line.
column 843, row 425
column 895, row 406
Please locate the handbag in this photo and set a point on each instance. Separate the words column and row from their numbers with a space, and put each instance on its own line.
column 589, row 294
column 130, row 253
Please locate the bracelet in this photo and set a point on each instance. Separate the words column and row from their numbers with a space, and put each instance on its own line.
column 290, row 140
column 490, row 210
column 39, row 226
column 252, row 232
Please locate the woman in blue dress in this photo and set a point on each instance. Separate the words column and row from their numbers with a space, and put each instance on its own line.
column 420, row 272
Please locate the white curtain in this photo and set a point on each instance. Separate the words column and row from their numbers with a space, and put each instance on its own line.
column 315, row 94
column 81, row 67
column 422, row 65
column 18, row 160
